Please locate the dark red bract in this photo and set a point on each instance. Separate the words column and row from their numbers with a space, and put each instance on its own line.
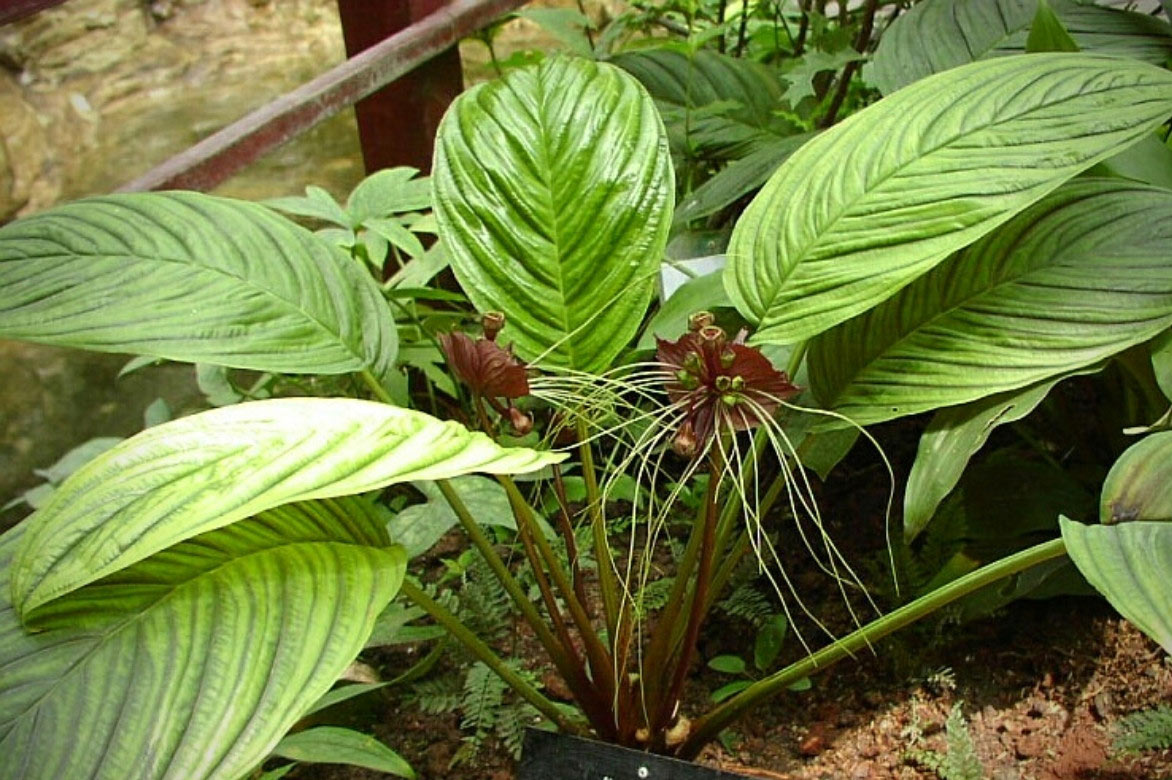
column 484, row 366
column 718, row 382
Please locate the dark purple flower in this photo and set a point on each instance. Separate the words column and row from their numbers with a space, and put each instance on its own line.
column 487, row 369
column 719, row 383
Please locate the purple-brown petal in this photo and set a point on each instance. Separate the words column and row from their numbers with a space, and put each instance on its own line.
column 484, row 366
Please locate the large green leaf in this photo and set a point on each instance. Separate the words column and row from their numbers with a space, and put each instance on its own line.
column 194, row 662
column 712, row 104
column 553, row 194
column 1076, row 278
column 936, row 35
column 191, row 277
column 953, row 436
column 867, row 206
column 1162, row 361
column 209, row 470
column 1129, row 564
column 1148, row 162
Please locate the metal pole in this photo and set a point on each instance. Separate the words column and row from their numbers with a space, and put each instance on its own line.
column 397, row 124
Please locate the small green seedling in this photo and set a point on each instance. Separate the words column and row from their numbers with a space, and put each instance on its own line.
column 766, row 649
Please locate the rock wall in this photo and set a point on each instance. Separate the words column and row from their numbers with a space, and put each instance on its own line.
column 95, row 92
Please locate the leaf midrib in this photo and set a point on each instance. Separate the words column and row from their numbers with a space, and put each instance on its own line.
column 555, row 214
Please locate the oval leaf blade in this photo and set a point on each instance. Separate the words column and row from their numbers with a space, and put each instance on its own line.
column 1129, row 564
column 872, row 203
column 208, row 470
column 953, row 436
column 941, row 34
column 713, row 104
column 190, row 277
column 194, row 662
column 333, row 745
column 1072, row 280
column 553, row 193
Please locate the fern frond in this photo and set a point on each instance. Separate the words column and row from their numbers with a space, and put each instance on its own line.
column 438, row 695
column 747, row 603
column 511, row 723
column 960, row 762
column 1145, row 730
column 653, row 595
column 484, row 603
column 483, row 694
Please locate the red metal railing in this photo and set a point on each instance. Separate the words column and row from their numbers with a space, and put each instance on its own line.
column 219, row 156
column 13, row 10
column 397, row 126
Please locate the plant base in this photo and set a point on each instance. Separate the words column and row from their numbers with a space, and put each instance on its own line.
column 549, row 756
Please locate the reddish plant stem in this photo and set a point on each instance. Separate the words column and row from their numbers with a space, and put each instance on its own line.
column 600, row 660
column 585, row 692
column 567, row 531
column 803, row 29
column 659, row 650
column 667, row 705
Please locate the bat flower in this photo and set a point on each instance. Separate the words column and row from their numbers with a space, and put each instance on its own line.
column 718, row 384
column 487, row 368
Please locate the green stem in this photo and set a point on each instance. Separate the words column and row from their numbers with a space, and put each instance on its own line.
column 376, row 387
column 607, row 582
column 423, row 665
column 795, row 358
column 520, row 598
column 708, row 727
column 490, row 659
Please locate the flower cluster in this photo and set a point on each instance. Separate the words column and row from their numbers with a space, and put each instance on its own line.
column 719, row 384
